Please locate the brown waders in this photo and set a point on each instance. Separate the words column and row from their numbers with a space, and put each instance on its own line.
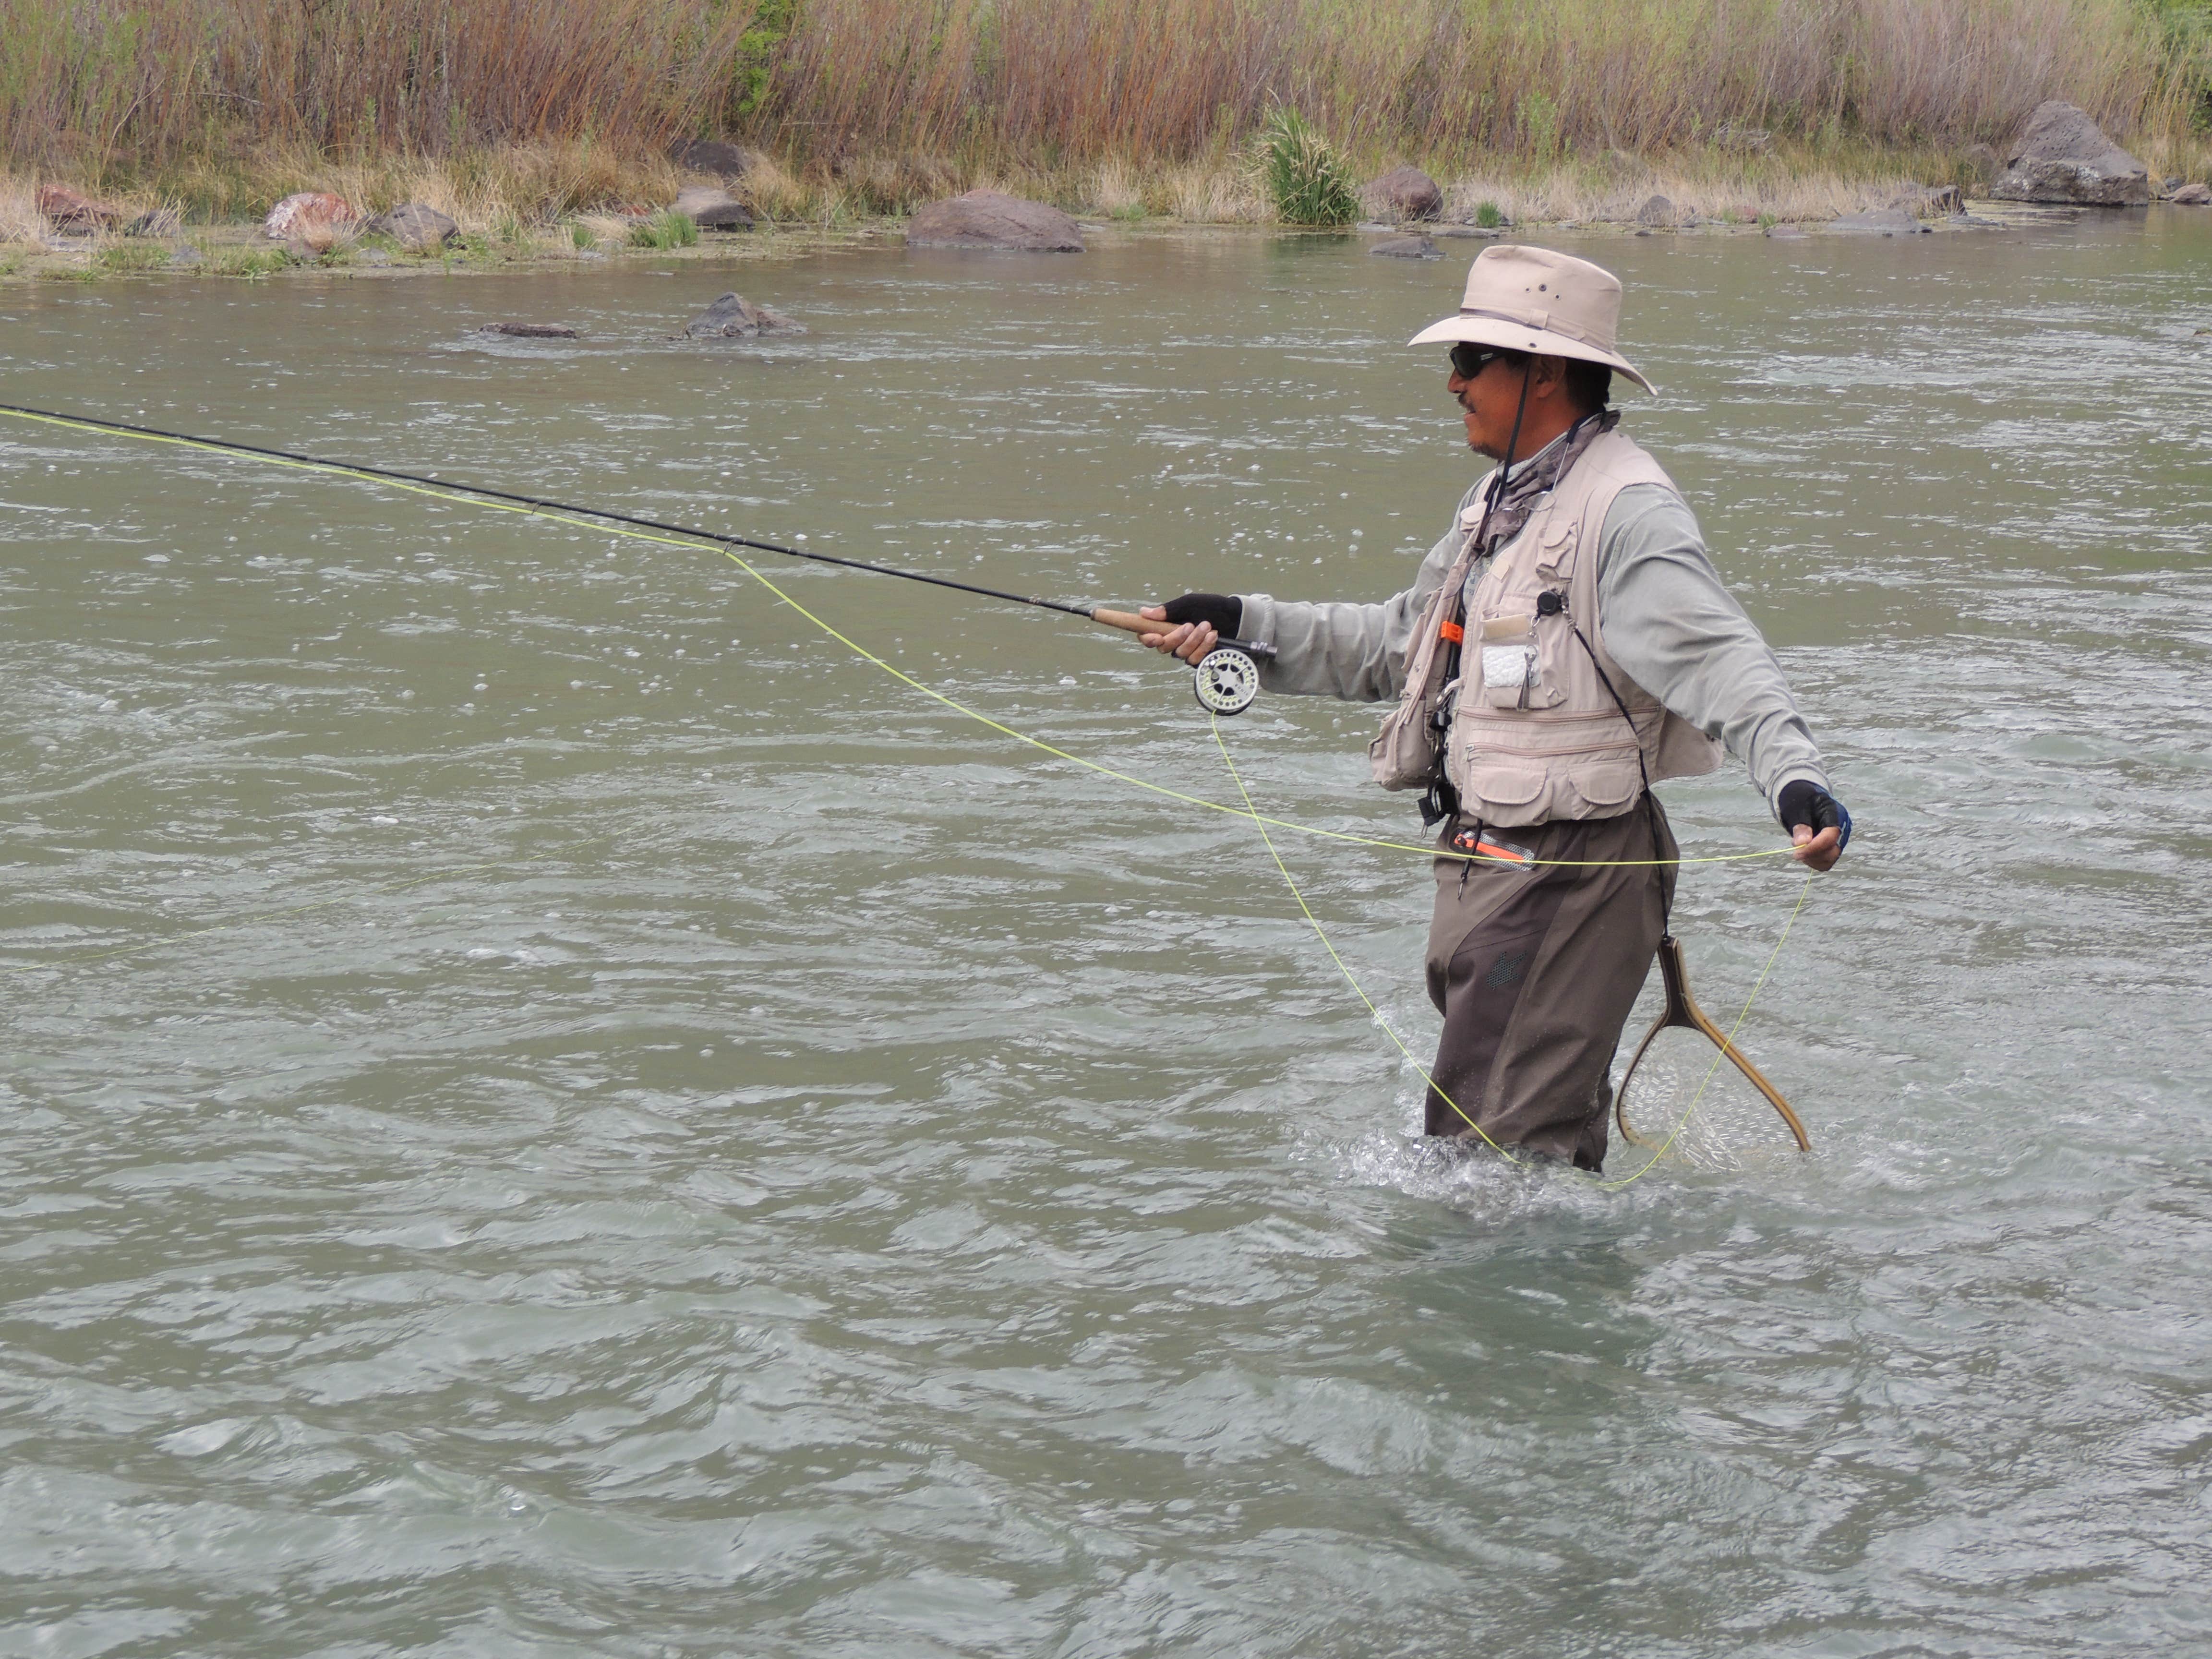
column 1535, row 970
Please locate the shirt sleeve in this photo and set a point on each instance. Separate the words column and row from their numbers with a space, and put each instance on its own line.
column 1667, row 620
column 1355, row 652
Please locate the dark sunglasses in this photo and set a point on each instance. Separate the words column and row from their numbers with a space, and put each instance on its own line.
column 1469, row 361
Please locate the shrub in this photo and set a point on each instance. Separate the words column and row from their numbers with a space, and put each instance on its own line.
column 1305, row 178
column 666, row 229
column 1488, row 215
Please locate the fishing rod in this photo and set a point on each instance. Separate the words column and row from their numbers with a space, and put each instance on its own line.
column 1226, row 680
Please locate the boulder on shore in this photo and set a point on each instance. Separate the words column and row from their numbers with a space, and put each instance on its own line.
column 735, row 317
column 2192, row 196
column 1406, row 247
column 714, row 155
column 1658, row 212
column 416, row 227
column 1401, row 195
column 1879, row 222
column 73, row 214
column 989, row 218
column 295, row 217
column 2061, row 155
column 712, row 209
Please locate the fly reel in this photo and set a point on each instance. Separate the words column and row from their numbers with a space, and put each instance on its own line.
column 1227, row 680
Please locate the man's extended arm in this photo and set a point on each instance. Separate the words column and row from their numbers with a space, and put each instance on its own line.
column 1682, row 635
column 1356, row 651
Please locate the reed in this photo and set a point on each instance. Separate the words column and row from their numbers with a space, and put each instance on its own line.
column 550, row 108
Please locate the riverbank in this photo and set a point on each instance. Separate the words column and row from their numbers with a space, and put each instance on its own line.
column 554, row 206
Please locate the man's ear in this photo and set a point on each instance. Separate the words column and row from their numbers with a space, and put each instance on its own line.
column 1547, row 374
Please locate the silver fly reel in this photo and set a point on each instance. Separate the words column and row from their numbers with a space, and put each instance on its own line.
column 1227, row 680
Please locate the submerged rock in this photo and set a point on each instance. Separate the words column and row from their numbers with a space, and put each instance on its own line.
column 988, row 218
column 2061, row 155
column 1879, row 221
column 529, row 331
column 712, row 209
column 415, row 226
column 1403, row 194
column 733, row 317
column 1406, row 247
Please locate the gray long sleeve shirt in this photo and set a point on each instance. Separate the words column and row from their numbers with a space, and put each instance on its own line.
column 1667, row 619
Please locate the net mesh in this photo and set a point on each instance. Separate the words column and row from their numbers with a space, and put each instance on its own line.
column 1705, row 1115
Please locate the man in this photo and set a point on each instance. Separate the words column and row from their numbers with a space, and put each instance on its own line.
column 1566, row 645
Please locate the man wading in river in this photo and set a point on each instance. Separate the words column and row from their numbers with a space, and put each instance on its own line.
column 1566, row 645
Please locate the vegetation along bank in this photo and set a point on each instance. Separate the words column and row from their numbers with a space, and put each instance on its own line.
column 547, row 131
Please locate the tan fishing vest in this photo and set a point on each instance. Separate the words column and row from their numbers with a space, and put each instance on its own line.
column 1535, row 735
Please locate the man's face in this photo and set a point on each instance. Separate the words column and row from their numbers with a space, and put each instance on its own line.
column 1489, row 399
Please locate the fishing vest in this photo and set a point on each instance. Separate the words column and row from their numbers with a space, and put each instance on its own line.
column 1534, row 735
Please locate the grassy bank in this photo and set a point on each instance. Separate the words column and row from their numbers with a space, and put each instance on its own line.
column 523, row 119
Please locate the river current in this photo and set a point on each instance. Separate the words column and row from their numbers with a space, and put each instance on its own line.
column 550, row 1108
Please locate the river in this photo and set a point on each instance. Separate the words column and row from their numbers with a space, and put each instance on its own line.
column 551, row 1109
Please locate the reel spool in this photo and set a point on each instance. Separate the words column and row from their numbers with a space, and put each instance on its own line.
column 1227, row 680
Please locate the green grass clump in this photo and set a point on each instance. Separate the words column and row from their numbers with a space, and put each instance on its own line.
column 667, row 229
column 1306, row 181
column 132, row 256
column 248, row 261
column 1488, row 215
column 581, row 237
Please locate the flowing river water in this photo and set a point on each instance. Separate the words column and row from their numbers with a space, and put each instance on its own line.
column 549, row 1108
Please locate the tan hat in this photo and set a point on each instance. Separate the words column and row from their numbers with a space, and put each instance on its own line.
column 1530, row 299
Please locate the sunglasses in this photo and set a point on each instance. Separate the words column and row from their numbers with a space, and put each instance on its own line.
column 1469, row 361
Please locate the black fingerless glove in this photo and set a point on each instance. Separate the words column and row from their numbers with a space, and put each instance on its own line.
column 1224, row 610
column 1805, row 802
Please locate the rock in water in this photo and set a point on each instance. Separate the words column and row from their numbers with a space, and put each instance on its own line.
column 530, row 330
column 1403, row 194
column 2191, row 196
column 75, row 214
column 295, row 217
column 2061, row 155
column 416, row 227
column 1406, row 247
column 1879, row 221
column 714, row 155
column 712, row 209
column 987, row 218
column 734, row 318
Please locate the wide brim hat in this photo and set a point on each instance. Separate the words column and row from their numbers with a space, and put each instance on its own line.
column 1532, row 300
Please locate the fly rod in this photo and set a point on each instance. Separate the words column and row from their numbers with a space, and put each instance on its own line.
column 1226, row 681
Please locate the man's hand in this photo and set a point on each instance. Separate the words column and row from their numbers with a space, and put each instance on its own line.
column 1194, row 624
column 1819, row 828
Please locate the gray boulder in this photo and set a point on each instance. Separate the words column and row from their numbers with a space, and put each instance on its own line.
column 2061, row 155
column 735, row 317
column 714, row 156
column 1656, row 213
column 1401, row 195
column 159, row 222
column 416, row 227
column 987, row 218
column 712, row 209
column 1879, row 222
column 1406, row 247
column 2192, row 196
column 1936, row 201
